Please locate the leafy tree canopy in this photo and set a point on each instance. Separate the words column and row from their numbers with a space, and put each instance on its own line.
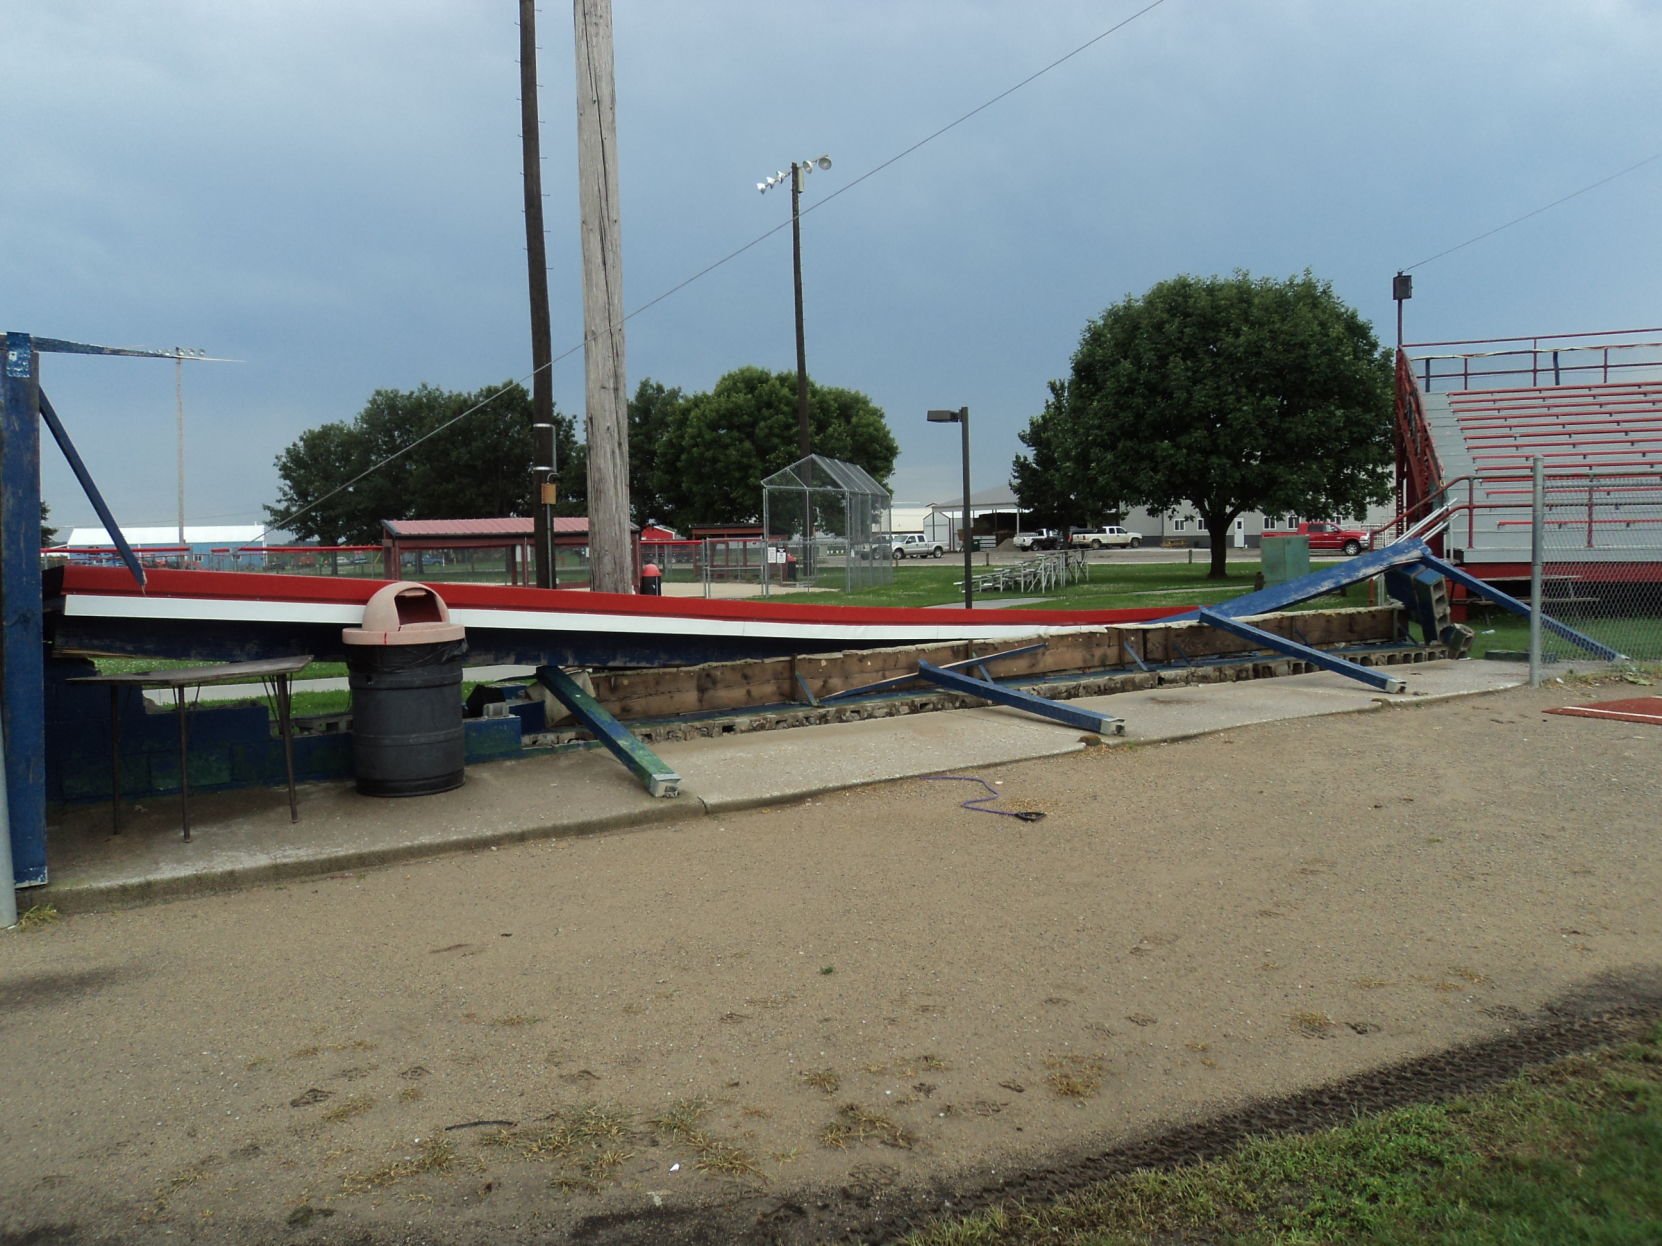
column 1043, row 482
column 48, row 534
column 713, row 450
column 1226, row 394
column 652, row 412
column 475, row 468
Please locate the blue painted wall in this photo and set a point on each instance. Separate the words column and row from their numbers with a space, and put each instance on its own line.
column 230, row 747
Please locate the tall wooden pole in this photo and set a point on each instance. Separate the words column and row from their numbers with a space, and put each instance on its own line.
column 611, row 558
column 536, row 261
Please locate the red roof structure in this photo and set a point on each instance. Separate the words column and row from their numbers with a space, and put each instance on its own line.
column 474, row 549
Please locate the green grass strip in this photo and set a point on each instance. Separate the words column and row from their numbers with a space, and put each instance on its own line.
column 1569, row 1153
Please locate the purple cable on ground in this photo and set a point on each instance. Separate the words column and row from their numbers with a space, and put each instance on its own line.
column 974, row 804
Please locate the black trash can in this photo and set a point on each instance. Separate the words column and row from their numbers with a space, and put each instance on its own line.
column 404, row 666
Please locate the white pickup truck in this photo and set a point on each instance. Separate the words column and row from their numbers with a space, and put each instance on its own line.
column 1106, row 538
column 915, row 545
column 1044, row 538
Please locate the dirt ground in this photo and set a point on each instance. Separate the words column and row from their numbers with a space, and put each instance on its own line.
column 574, row 1039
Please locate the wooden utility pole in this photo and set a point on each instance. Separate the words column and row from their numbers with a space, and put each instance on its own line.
column 611, row 561
column 542, row 347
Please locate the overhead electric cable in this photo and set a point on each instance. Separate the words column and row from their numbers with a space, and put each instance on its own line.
column 899, row 156
column 734, row 254
column 1490, row 233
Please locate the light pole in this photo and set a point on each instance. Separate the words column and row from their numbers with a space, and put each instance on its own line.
column 799, row 170
column 804, row 435
column 961, row 418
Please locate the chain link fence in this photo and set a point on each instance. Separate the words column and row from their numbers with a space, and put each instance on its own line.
column 1599, row 537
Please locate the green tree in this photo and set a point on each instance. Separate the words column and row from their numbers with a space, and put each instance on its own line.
column 716, row 448
column 402, row 457
column 48, row 534
column 1228, row 394
column 652, row 411
column 1044, row 483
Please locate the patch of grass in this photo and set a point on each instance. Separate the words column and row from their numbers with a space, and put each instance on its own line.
column 436, row 1155
column 726, row 1160
column 38, row 917
column 824, row 1080
column 1312, row 1024
column 1566, row 1153
column 345, row 1110
column 571, row 1132
column 1074, row 1076
column 684, row 1122
column 854, row 1124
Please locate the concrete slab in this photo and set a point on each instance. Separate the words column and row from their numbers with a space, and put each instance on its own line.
column 244, row 838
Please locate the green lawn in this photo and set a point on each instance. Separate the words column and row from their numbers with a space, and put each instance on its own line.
column 1110, row 586
column 1570, row 1153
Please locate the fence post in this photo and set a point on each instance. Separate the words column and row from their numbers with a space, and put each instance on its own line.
column 1537, row 520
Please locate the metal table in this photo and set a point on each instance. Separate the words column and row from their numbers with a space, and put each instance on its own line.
column 278, row 671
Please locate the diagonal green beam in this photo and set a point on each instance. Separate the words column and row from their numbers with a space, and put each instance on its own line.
column 642, row 762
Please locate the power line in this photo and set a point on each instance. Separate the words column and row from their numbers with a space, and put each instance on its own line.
column 1490, row 233
column 734, row 254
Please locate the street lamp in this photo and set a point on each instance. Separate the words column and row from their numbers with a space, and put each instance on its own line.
column 799, row 170
column 961, row 417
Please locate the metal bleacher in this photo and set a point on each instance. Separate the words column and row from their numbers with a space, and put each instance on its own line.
column 1599, row 442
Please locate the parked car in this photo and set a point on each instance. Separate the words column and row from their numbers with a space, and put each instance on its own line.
column 1107, row 538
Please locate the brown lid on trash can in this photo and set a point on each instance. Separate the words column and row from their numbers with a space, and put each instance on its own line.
column 405, row 613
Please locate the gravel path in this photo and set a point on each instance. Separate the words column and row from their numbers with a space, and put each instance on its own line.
column 786, row 1013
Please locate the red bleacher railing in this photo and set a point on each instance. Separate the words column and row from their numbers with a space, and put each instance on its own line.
column 1611, row 352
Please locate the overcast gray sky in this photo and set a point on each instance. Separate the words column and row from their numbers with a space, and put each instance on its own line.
column 329, row 191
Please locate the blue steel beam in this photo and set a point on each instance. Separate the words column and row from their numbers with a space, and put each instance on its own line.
column 1059, row 711
column 1327, row 580
column 900, row 681
column 1304, row 653
column 1484, row 589
column 22, row 661
column 61, row 435
column 642, row 762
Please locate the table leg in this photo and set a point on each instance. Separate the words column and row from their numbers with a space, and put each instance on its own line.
column 285, row 722
column 115, row 756
column 184, row 760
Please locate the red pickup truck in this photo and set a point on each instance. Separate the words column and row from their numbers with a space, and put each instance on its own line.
column 1329, row 536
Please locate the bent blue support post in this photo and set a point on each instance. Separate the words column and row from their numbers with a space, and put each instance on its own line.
column 61, row 435
column 1304, row 653
column 22, row 651
column 1327, row 580
column 1069, row 715
column 1486, row 590
column 898, row 681
column 640, row 761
